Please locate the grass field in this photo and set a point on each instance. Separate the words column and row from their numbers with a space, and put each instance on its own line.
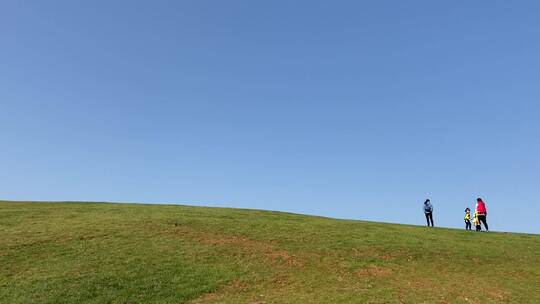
column 129, row 253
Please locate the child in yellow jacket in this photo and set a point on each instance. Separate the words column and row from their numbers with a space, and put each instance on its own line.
column 476, row 222
column 467, row 219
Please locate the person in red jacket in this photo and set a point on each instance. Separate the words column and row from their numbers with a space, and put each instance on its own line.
column 482, row 212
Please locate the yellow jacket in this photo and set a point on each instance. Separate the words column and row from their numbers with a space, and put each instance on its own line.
column 467, row 216
column 476, row 221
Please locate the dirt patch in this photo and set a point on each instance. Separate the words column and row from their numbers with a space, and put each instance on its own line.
column 420, row 283
column 497, row 294
column 281, row 280
column 374, row 271
column 212, row 297
column 265, row 253
column 255, row 249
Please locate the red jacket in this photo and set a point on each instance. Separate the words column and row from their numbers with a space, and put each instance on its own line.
column 481, row 208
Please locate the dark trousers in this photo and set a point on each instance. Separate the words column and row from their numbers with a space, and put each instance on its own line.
column 429, row 216
column 483, row 219
column 467, row 225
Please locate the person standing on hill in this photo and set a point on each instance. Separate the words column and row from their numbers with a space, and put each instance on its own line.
column 428, row 211
column 467, row 219
column 476, row 222
column 482, row 212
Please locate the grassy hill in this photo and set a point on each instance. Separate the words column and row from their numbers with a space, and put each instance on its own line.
column 128, row 253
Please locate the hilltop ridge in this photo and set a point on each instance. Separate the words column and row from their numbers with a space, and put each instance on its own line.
column 130, row 253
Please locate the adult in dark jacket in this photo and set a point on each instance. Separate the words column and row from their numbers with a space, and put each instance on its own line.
column 428, row 211
column 482, row 212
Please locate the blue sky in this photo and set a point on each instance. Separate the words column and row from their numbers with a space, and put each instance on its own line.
column 350, row 109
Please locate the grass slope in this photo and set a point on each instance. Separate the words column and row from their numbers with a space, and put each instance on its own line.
column 128, row 253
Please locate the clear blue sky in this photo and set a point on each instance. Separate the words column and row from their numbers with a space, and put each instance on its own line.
column 350, row 109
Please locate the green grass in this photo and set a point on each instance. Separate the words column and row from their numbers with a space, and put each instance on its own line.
column 128, row 253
